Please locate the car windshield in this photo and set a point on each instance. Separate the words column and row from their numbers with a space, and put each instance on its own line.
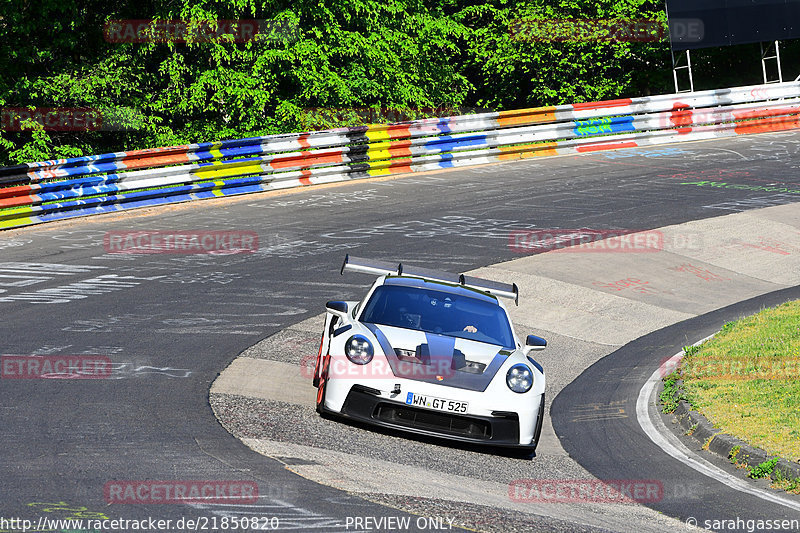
column 439, row 312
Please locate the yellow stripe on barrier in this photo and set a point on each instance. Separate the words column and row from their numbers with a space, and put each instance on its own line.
column 217, row 190
column 15, row 222
column 215, row 150
column 377, row 132
column 228, row 170
column 15, row 212
column 377, row 153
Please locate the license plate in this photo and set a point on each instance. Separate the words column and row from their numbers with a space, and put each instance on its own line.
column 439, row 404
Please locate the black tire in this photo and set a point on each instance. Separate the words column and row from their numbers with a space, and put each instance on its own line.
column 322, row 390
column 315, row 379
column 537, row 432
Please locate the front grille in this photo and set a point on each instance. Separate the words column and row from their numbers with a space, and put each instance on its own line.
column 440, row 422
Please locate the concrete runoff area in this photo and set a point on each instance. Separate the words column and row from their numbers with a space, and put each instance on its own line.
column 586, row 303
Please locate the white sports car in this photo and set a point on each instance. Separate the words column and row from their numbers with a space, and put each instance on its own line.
column 432, row 353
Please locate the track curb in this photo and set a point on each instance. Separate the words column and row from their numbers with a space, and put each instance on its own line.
column 725, row 445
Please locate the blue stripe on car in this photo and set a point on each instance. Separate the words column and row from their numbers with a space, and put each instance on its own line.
column 441, row 345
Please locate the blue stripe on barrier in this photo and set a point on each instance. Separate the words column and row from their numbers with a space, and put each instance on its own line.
column 600, row 126
column 230, row 161
column 447, row 142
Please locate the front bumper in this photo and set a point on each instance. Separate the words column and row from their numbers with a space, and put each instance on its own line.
column 501, row 430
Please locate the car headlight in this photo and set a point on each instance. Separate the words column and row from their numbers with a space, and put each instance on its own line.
column 519, row 378
column 358, row 349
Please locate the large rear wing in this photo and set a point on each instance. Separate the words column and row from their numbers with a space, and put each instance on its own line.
column 384, row 268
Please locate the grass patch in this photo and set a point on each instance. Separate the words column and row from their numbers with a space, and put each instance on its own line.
column 789, row 485
column 671, row 394
column 746, row 380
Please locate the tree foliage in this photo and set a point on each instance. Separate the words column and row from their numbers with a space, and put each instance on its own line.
column 325, row 54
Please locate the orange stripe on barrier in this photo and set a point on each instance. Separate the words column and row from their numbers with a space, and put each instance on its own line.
column 302, row 140
column 400, row 152
column 400, row 167
column 524, row 151
column 536, row 115
column 398, row 132
column 766, row 125
column 761, row 113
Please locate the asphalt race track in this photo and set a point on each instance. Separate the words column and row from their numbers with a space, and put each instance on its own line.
column 617, row 448
column 170, row 323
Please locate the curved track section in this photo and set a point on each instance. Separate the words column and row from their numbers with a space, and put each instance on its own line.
column 618, row 447
column 169, row 323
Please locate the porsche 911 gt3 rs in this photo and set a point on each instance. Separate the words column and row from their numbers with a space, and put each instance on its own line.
column 433, row 353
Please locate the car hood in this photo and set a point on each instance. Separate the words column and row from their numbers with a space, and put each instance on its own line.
column 440, row 359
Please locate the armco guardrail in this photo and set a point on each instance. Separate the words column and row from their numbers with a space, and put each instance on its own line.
column 50, row 190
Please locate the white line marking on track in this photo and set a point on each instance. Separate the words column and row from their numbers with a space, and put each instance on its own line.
column 672, row 446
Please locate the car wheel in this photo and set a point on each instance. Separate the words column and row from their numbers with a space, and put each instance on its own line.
column 315, row 379
column 323, row 381
column 537, row 432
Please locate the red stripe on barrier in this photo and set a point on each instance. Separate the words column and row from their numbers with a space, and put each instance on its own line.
column 18, row 201
column 164, row 160
column 149, row 152
column 602, row 104
column 19, row 190
column 606, row 146
column 681, row 117
column 305, row 160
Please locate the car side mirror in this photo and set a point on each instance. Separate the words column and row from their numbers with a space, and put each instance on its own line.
column 534, row 343
column 337, row 308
